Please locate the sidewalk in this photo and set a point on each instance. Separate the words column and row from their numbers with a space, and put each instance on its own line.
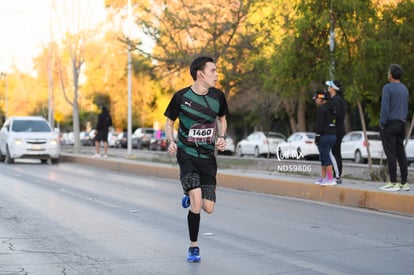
column 354, row 193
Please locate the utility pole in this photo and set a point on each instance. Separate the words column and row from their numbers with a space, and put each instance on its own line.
column 129, row 83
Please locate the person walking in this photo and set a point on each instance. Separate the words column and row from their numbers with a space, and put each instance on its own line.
column 198, row 107
column 102, row 129
column 394, row 111
column 325, row 135
column 337, row 97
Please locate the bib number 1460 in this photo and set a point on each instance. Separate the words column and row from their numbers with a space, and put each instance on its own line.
column 201, row 133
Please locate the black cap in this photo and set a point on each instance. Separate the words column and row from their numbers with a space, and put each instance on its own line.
column 320, row 94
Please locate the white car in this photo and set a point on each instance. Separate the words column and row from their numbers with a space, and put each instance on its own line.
column 67, row 138
column 258, row 144
column 112, row 136
column 300, row 145
column 28, row 137
column 354, row 146
column 409, row 150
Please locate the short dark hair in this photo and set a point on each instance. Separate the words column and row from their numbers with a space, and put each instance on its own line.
column 395, row 71
column 199, row 64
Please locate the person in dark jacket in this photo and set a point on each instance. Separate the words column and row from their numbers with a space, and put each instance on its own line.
column 393, row 117
column 336, row 91
column 325, row 135
column 102, row 129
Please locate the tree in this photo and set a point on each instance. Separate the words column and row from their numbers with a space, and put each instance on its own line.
column 79, row 30
column 182, row 30
column 302, row 58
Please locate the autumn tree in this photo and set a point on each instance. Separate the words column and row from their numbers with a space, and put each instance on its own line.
column 182, row 30
column 79, row 29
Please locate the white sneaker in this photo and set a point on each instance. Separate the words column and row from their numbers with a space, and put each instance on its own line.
column 96, row 156
column 391, row 187
column 327, row 181
column 405, row 187
column 105, row 156
column 319, row 181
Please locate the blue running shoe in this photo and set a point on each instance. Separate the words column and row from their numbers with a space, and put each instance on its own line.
column 185, row 202
column 193, row 255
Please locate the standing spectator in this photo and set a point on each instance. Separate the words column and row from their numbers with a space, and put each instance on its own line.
column 336, row 92
column 394, row 110
column 198, row 107
column 325, row 135
column 102, row 128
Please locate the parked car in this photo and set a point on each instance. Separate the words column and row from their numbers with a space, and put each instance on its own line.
column 112, row 139
column 142, row 137
column 230, row 147
column 354, row 146
column 159, row 141
column 409, row 150
column 28, row 137
column 92, row 134
column 258, row 144
column 121, row 140
column 300, row 145
column 67, row 138
column 86, row 139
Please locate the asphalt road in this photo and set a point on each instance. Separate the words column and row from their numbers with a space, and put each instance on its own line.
column 72, row 219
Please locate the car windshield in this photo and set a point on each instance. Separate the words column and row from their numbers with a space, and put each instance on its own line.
column 275, row 135
column 311, row 136
column 30, row 126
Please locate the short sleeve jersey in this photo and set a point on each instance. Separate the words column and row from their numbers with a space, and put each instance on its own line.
column 197, row 119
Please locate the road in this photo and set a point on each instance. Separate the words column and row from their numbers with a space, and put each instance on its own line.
column 72, row 219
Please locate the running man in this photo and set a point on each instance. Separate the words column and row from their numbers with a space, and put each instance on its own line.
column 198, row 108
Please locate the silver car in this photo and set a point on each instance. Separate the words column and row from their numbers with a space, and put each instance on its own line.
column 28, row 137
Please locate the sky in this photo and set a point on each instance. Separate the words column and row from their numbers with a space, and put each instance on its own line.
column 22, row 31
column 25, row 28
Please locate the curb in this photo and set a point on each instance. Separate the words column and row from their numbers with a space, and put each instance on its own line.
column 395, row 202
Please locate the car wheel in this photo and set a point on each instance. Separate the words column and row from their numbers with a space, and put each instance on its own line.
column 2, row 157
column 256, row 152
column 8, row 158
column 239, row 151
column 358, row 157
column 55, row 161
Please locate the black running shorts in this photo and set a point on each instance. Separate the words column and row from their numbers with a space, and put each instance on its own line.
column 198, row 173
column 101, row 136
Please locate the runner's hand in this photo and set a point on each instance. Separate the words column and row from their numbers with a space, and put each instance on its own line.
column 221, row 144
column 172, row 148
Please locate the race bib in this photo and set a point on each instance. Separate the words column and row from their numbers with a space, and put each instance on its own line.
column 202, row 133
